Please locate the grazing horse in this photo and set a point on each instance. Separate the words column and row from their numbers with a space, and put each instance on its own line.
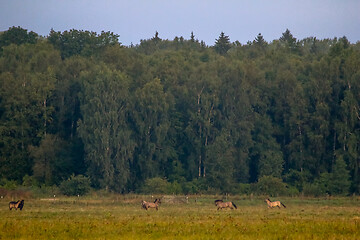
column 147, row 205
column 274, row 204
column 221, row 204
column 16, row 205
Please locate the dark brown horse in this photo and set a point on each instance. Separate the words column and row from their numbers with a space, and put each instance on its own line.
column 16, row 205
column 147, row 205
column 221, row 204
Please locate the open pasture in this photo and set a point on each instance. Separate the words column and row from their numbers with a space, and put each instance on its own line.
column 122, row 217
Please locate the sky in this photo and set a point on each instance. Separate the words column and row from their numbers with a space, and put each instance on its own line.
column 241, row 20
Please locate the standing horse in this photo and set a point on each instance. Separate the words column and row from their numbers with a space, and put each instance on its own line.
column 274, row 204
column 147, row 205
column 221, row 204
column 16, row 205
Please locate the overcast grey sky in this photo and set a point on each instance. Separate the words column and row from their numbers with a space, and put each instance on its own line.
column 134, row 20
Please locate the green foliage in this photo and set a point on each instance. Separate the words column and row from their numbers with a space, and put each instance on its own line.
column 175, row 188
column 288, row 40
column 222, row 44
column 297, row 179
column 75, row 185
column 103, row 127
column 27, row 81
column 314, row 189
column 243, row 189
column 8, row 184
column 192, row 187
column 339, row 183
column 207, row 118
column 268, row 185
column 18, row 36
column 333, row 183
column 155, row 186
column 266, row 155
column 75, row 42
column 260, row 42
column 151, row 126
column 30, row 181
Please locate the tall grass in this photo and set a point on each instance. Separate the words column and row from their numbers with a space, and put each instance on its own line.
column 121, row 217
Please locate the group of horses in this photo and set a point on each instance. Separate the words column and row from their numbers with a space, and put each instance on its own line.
column 16, row 205
column 220, row 204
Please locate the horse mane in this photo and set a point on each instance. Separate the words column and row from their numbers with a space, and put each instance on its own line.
column 219, row 200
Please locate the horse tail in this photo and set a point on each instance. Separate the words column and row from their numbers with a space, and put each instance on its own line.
column 234, row 205
column 283, row 205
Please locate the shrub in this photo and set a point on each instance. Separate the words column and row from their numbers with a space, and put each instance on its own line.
column 268, row 185
column 30, row 181
column 313, row 190
column 155, row 185
column 175, row 188
column 190, row 187
column 8, row 184
column 297, row 178
column 45, row 191
column 242, row 188
column 75, row 185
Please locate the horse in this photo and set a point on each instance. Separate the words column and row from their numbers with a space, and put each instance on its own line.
column 221, row 204
column 147, row 205
column 16, row 205
column 274, row 204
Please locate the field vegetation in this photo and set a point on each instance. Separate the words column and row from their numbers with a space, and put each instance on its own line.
column 121, row 217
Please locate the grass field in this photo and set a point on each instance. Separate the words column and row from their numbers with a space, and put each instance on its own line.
column 121, row 217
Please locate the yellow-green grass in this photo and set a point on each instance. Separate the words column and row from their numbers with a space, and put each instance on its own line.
column 123, row 218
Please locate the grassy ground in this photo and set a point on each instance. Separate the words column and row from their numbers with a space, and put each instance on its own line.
column 122, row 217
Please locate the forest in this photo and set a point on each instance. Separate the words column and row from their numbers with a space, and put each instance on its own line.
column 180, row 116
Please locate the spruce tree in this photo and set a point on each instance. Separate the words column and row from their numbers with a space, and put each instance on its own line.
column 222, row 45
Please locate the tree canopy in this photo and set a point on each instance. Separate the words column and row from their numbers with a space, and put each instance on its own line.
column 193, row 117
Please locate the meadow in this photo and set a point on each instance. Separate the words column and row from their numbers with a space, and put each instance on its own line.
column 121, row 217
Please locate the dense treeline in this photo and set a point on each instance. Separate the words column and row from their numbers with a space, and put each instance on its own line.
column 179, row 112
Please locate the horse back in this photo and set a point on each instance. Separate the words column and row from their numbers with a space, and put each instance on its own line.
column 13, row 204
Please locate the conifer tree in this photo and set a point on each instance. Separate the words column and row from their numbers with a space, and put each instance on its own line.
column 222, row 44
column 260, row 41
